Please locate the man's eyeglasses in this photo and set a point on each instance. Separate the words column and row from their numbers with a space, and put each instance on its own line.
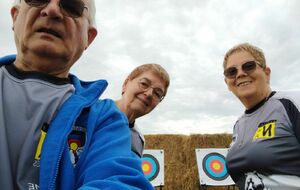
column 247, row 67
column 69, row 8
column 157, row 93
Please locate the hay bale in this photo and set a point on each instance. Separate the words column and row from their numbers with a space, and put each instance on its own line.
column 181, row 171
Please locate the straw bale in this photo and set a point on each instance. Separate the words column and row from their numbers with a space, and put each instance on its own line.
column 181, row 171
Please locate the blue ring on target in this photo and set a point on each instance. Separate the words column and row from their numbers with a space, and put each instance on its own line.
column 154, row 165
column 208, row 160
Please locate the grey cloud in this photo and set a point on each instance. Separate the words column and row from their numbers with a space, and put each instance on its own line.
column 189, row 38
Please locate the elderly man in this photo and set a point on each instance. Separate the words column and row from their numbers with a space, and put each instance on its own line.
column 54, row 132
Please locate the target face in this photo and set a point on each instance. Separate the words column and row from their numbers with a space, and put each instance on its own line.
column 214, row 166
column 150, row 166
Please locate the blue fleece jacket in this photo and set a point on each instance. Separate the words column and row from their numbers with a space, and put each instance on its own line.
column 107, row 161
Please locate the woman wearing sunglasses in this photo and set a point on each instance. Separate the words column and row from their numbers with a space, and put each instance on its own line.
column 265, row 148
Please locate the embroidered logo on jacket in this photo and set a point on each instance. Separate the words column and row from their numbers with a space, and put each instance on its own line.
column 265, row 130
column 76, row 141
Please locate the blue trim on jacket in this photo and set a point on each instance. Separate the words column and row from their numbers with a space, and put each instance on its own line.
column 107, row 161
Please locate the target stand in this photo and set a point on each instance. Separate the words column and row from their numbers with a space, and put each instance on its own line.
column 212, row 167
column 153, row 166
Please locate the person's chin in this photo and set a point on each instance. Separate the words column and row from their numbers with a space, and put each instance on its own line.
column 139, row 107
column 48, row 49
column 247, row 93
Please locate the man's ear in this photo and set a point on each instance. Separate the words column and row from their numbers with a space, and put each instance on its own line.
column 14, row 12
column 92, row 33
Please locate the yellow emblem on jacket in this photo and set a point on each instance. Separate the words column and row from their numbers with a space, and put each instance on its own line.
column 265, row 130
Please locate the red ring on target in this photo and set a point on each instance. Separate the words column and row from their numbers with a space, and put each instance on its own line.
column 214, row 166
column 150, row 166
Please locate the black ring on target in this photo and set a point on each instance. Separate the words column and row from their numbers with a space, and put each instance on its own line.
column 152, row 166
column 214, row 166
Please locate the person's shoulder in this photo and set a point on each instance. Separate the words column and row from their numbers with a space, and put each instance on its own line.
column 136, row 129
column 109, row 103
column 83, row 85
column 8, row 59
column 109, row 106
column 288, row 94
column 105, row 104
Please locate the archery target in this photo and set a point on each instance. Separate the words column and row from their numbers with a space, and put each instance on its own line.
column 152, row 165
column 212, row 167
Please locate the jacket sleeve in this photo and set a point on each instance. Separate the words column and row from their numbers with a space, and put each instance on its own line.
column 293, row 114
column 108, row 162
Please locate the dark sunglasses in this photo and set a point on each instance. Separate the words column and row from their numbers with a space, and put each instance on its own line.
column 247, row 67
column 69, row 8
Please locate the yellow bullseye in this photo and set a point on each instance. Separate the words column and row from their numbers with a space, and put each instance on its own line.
column 145, row 167
column 216, row 166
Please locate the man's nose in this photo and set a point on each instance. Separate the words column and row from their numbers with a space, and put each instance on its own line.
column 53, row 10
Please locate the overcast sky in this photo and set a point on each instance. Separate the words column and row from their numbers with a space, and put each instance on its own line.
column 189, row 39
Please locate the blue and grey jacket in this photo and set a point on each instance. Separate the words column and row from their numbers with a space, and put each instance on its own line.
column 106, row 161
